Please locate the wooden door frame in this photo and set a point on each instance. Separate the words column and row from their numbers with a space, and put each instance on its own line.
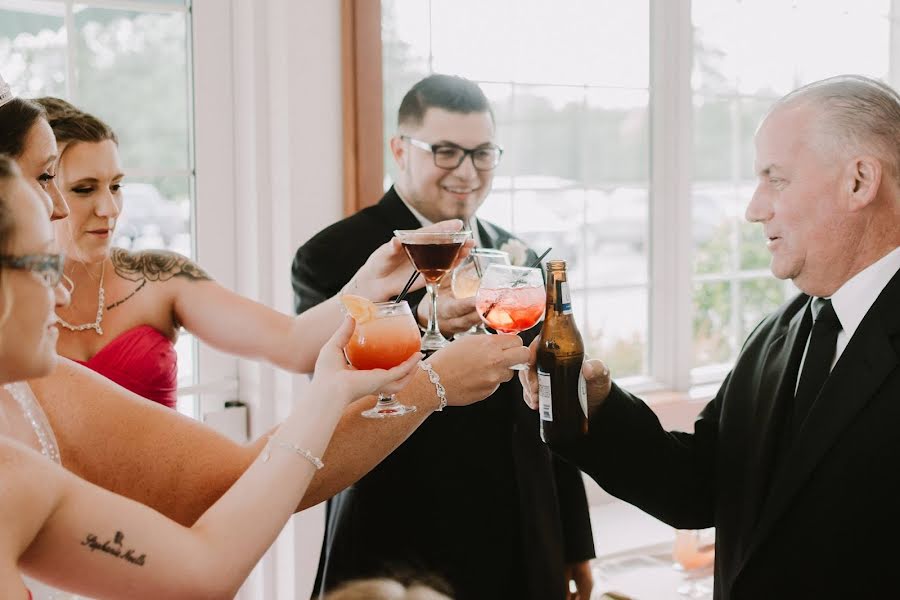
column 361, row 80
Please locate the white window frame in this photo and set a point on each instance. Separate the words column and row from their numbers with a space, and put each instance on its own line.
column 671, row 281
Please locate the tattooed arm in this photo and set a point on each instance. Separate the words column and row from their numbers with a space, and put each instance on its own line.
column 223, row 319
column 77, row 536
column 237, row 325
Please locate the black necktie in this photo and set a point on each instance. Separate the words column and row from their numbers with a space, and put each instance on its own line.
column 819, row 355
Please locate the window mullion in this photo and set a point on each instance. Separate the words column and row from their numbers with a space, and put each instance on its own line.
column 671, row 312
column 71, row 52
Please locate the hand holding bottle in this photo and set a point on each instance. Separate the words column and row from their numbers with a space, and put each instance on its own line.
column 597, row 378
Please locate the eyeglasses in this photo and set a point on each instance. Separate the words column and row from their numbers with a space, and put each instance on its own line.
column 49, row 267
column 450, row 156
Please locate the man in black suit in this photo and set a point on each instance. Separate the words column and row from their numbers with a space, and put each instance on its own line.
column 473, row 496
column 796, row 459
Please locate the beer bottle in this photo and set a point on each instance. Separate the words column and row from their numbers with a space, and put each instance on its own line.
column 562, row 390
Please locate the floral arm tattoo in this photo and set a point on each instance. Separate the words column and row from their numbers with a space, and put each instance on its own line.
column 153, row 265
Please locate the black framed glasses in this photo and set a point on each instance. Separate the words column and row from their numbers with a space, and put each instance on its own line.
column 49, row 267
column 450, row 156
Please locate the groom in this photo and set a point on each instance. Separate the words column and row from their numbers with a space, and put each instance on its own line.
column 473, row 497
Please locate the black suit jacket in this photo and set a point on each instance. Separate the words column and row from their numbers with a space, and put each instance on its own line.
column 811, row 517
column 473, row 496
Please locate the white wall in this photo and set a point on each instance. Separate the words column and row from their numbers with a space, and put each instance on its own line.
column 269, row 162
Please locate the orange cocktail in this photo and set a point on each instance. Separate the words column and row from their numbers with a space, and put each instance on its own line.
column 385, row 341
column 386, row 334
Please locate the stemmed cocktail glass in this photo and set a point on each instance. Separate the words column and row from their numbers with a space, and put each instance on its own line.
column 694, row 554
column 386, row 334
column 511, row 299
column 433, row 254
column 466, row 278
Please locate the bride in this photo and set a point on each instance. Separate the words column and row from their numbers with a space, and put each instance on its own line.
column 76, row 536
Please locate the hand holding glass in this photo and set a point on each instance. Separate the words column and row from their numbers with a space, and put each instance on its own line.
column 511, row 299
column 433, row 254
column 384, row 340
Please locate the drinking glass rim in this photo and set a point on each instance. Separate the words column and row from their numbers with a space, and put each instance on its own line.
column 451, row 236
column 513, row 268
column 489, row 251
column 389, row 308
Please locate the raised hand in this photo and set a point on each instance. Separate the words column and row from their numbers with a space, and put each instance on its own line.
column 454, row 315
column 596, row 376
column 471, row 368
column 334, row 375
column 386, row 271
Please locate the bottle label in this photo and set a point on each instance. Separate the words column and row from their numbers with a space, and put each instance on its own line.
column 563, row 300
column 582, row 393
column 544, row 397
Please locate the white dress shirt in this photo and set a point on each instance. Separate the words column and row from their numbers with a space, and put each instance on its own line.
column 473, row 222
column 854, row 299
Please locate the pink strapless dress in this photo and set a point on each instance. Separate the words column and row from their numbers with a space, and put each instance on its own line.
column 142, row 360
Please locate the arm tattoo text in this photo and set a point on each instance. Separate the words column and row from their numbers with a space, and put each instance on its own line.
column 115, row 547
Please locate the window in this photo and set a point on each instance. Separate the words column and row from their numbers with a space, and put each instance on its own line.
column 737, row 73
column 558, row 104
column 132, row 69
column 574, row 85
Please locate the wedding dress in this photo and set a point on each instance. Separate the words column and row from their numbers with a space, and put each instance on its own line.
column 22, row 419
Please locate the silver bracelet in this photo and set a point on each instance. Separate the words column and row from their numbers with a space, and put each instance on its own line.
column 315, row 460
column 434, row 378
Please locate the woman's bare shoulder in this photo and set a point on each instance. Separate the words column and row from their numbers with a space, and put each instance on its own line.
column 155, row 265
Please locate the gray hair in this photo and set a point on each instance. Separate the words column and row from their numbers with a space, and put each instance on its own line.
column 859, row 113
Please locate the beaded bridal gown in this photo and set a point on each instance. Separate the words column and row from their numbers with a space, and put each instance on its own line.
column 22, row 419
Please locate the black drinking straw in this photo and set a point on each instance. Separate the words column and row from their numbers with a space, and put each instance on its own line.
column 412, row 279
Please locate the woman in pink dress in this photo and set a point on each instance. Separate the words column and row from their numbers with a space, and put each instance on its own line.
column 78, row 537
column 128, row 306
column 119, row 441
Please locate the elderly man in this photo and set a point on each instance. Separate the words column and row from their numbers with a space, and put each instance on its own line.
column 795, row 461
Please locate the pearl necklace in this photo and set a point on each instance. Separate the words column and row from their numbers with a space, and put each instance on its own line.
column 101, row 302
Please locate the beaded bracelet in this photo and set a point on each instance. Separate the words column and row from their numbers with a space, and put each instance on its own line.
column 315, row 460
column 436, row 380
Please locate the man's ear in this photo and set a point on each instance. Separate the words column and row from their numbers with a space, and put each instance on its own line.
column 398, row 150
column 863, row 181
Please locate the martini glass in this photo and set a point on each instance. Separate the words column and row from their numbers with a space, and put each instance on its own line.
column 433, row 254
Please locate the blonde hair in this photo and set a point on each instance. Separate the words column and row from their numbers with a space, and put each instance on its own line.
column 384, row 589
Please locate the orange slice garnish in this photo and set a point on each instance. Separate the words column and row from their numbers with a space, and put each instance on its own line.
column 361, row 309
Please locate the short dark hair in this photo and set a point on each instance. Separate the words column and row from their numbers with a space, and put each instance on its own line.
column 449, row 92
column 17, row 117
column 70, row 124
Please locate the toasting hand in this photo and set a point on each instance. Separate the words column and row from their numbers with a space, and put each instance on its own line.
column 596, row 376
column 471, row 368
column 454, row 315
column 386, row 271
column 335, row 376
